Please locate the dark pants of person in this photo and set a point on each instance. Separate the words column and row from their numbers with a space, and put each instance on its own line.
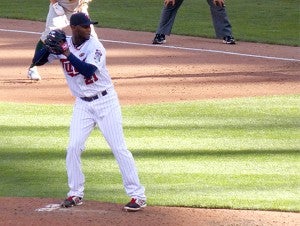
column 218, row 13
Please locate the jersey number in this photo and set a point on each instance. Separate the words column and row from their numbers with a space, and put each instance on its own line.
column 71, row 71
column 91, row 79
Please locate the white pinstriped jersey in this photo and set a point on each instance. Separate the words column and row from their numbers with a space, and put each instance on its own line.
column 93, row 52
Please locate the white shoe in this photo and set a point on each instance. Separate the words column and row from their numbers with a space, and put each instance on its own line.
column 33, row 74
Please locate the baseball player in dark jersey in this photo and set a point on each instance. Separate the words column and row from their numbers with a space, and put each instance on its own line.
column 219, row 17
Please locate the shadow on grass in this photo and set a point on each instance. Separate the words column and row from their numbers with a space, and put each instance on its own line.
column 30, row 130
column 249, row 126
column 14, row 154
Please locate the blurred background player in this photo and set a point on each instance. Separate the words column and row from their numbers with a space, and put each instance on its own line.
column 58, row 17
column 219, row 18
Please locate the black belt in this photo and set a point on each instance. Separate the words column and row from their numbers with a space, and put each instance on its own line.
column 89, row 99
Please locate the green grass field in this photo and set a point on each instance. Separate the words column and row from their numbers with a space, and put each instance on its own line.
column 237, row 153
column 276, row 22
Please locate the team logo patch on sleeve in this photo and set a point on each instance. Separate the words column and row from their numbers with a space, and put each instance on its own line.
column 98, row 55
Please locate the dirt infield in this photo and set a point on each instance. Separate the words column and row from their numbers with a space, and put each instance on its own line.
column 187, row 68
column 193, row 70
column 30, row 211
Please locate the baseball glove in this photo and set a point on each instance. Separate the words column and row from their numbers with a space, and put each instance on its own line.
column 56, row 42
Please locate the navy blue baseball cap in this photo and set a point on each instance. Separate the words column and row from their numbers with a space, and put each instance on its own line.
column 81, row 19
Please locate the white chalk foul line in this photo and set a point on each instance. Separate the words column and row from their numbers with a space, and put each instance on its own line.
column 205, row 50
column 19, row 31
column 177, row 47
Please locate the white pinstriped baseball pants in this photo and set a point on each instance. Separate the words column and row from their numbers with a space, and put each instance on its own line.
column 106, row 113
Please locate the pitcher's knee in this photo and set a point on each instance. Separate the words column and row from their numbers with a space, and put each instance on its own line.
column 75, row 150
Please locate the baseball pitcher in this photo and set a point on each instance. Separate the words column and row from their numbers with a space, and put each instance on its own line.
column 83, row 60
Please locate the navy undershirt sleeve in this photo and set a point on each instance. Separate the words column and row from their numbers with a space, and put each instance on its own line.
column 40, row 57
column 86, row 69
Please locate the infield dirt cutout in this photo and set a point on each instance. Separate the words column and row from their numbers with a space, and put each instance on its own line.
column 196, row 69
